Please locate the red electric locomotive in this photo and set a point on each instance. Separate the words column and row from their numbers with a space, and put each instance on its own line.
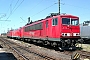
column 9, row 34
column 14, row 34
column 57, row 30
column 21, row 31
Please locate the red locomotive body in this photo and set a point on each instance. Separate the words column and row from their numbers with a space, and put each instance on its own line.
column 9, row 34
column 58, row 30
column 21, row 31
column 16, row 34
column 55, row 30
column 70, row 27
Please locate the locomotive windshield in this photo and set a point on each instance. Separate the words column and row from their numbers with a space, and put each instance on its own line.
column 70, row 21
column 74, row 22
column 66, row 21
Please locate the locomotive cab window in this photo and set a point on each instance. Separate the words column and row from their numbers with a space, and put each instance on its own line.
column 54, row 21
column 74, row 22
column 66, row 21
column 70, row 21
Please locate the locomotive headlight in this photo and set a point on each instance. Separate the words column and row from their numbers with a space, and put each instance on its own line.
column 76, row 34
column 62, row 34
column 65, row 34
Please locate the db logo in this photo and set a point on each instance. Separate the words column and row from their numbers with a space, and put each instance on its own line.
column 32, row 33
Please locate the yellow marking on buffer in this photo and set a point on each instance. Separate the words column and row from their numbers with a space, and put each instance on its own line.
column 76, row 56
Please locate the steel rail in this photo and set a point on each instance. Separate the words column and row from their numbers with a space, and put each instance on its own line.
column 30, row 51
column 19, row 54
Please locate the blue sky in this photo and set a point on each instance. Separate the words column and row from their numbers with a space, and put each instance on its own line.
column 12, row 10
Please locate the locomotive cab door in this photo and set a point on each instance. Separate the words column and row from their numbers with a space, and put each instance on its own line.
column 47, row 28
column 52, row 28
column 55, row 28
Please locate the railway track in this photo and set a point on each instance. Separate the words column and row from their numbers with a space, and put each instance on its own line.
column 84, row 54
column 21, row 56
column 80, row 53
column 23, row 51
column 38, row 55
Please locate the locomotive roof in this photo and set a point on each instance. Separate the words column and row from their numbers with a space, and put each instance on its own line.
column 49, row 17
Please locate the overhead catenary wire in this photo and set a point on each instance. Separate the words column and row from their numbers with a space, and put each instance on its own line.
column 2, row 15
column 35, row 5
column 43, row 9
column 9, row 7
column 15, row 9
column 33, row 8
column 59, row 7
column 49, row 7
column 18, row 5
column 23, row 19
column 74, row 6
column 4, row 20
column 5, row 14
column 15, row 5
